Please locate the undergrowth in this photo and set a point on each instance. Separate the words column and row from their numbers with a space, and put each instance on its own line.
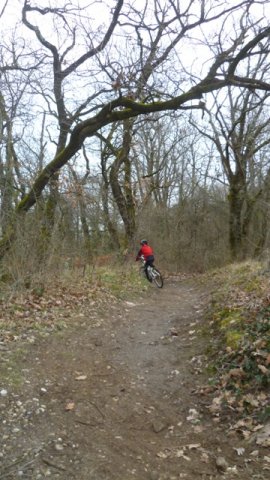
column 53, row 303
column 239, row 326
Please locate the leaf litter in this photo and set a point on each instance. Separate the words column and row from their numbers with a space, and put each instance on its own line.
column 224, row 396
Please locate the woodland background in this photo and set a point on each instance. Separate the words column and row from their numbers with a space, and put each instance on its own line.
column 127, row 119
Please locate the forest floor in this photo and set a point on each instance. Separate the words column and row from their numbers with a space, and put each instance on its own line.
column 119, row 393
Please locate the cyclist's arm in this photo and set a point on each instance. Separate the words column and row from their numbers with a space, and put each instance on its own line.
column 139, row 255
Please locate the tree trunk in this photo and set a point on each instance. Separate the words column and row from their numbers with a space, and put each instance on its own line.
column 236, row 205
column 109, row 223
column 123, row 195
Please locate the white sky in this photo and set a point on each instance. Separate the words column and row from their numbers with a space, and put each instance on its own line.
column 194, row 57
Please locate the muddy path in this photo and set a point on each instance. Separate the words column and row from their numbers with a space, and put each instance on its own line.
column 116, row 397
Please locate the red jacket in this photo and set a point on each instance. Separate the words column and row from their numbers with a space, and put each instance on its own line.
column 146, row 251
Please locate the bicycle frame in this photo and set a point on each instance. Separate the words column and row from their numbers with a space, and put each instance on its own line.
column 151, row 273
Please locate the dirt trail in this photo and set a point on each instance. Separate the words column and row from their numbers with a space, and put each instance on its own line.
column 115, row 398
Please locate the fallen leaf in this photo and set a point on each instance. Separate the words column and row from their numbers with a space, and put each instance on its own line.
column 69, row 406
column 236, row 373
column 240, row 451
column 81, row 377
column 162, row 455
column 257, row 427
column 197, row 429
column 193, row 446
column 221, row 464
column 263, row 369
column 233, row 469
column 216, row 404
column 263, row 437
column 205, row 457
column 180, row 454
column 251, row 400
column 193, row 415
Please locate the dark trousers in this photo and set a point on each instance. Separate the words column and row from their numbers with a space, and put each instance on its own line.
column 149, row 262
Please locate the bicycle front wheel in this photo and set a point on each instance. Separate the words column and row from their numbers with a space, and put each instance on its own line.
column 157, row 278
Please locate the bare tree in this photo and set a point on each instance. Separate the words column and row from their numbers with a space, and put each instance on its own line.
column 106, row 151
column 239, row 131
column 62, row 69
column 145, row 79
column 161, row 154
column 13, row 183
column 174, row 25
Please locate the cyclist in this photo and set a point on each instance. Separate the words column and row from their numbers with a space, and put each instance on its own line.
column 148, row 254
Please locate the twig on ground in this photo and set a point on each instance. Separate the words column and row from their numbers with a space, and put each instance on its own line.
column 50, row 463
column 17, row 462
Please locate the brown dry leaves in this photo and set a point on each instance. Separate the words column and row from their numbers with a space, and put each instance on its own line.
column 25, row 313
column 241, row 314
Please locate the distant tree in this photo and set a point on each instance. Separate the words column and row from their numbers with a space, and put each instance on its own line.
column 239, row 128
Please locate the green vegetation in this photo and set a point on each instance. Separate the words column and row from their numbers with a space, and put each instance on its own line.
column 240, row 326
column 121, row 282
column 11, row 369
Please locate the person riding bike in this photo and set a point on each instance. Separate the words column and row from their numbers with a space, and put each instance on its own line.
column 148, row 254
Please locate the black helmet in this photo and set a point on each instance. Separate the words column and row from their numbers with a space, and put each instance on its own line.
column 144, row 242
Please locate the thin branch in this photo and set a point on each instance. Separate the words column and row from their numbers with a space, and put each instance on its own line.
column 3, row 9
column 265, row 33
column 101, row 45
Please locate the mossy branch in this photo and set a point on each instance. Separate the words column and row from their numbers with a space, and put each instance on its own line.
column 120, row 109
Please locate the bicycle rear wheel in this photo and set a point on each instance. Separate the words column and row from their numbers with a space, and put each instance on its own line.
column 157, row 278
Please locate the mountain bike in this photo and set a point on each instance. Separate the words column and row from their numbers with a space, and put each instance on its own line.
column 152, row 274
